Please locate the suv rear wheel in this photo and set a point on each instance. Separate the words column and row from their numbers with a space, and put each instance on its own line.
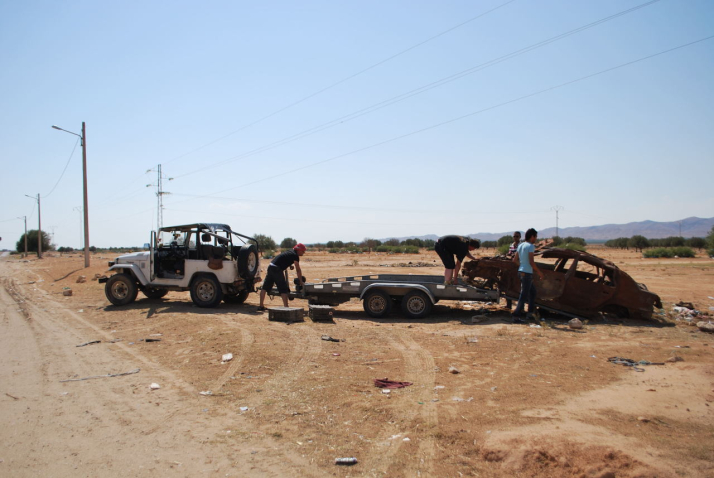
column 206, row 291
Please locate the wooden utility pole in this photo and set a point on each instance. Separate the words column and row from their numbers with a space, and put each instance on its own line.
column 86, row 203
column 39, row 226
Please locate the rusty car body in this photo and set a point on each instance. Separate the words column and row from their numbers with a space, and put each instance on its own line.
column 575, row 283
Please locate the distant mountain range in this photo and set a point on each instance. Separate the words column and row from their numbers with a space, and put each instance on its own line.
column 689, row 227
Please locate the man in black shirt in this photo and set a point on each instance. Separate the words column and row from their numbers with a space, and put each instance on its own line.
column 449, row 246
column 276, row 273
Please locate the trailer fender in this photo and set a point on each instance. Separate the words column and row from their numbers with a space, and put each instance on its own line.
column 135, row 271
column 398, row 289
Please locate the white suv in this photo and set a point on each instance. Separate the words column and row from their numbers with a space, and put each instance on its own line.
column 201, row 258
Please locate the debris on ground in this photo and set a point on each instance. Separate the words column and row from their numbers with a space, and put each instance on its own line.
column 706, row 326
column 386, row 383
column 136, row 370
column 330, row 339
column 89, row 343
column 675, row 358
column 67, row 292
column 346, row 461
column 226, row 358
column 81, row 279
column 206, row 393
column 631, row 363
column 453, row 370
column 154, row 386
column 575, row 324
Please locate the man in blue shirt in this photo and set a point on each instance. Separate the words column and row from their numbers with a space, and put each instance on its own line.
column 526, row 266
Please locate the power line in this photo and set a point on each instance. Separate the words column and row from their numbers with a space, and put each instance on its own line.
column 312, row 95
column 417, row 91
column 63, row 171
column 362, row 208
column 303, row 219
column 459, row 118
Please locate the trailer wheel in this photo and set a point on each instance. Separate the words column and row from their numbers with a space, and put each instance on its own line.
column 416, row 304
column 377, row 303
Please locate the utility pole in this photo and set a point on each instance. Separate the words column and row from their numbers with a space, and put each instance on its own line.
column 24, row 218
column 79, row 210
column 557, row 209
column 83, row 137
column 39, row 226
column 159, row 197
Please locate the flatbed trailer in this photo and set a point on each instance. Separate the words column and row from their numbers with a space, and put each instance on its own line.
column 415, row 294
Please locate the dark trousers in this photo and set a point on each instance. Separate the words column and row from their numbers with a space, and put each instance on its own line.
column 528, row 294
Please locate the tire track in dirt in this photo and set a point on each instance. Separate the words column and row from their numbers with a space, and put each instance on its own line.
column 246, row 342
column 419, row 368
column 57, row 427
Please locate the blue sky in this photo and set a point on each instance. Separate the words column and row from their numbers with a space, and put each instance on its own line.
column 268, row 116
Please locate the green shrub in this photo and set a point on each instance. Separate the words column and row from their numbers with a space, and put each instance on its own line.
column 269, row 254
column 669, row 252
column 503, row 249
column 657, row 252
column 333, row 250
column 683, row 251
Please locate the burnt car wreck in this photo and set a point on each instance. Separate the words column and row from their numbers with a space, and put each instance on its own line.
column 575, row 283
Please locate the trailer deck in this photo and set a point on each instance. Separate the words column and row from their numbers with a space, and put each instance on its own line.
column 416, row 294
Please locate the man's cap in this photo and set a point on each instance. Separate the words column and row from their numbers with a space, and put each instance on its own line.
column 300, row 247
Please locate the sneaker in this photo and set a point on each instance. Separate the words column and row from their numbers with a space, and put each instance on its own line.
column 261, row 309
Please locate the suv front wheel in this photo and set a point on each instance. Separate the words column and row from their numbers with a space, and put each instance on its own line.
column 206, row 291
column 121, row 289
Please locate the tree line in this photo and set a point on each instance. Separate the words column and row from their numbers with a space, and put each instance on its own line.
column 639, row 242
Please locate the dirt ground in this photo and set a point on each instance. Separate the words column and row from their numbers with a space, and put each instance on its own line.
column 525, row 402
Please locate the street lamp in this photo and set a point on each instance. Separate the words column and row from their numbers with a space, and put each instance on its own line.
column 83, row 137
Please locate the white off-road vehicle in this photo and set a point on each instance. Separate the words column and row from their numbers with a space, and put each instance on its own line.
column 201, row 258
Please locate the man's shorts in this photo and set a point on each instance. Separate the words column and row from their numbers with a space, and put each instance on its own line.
column 277, row 277
column 446, row 257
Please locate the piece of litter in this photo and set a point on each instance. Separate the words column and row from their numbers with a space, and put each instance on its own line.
column 155, row 335
column 439, row 387
column 535, row 326
column 243, row 409
column 207, row 392
column 346, row 461
column 406, row 439
column 459, row 399
column 154, row 386
column 335, row 355
column 592, row 356
column 453, row 369
column 386, row 391
column 80, row 310
column 395, row 436
column 226, row 358
column 89, row 343
column 493, row 389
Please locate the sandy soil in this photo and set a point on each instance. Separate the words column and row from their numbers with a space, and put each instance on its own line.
column 541, row 402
